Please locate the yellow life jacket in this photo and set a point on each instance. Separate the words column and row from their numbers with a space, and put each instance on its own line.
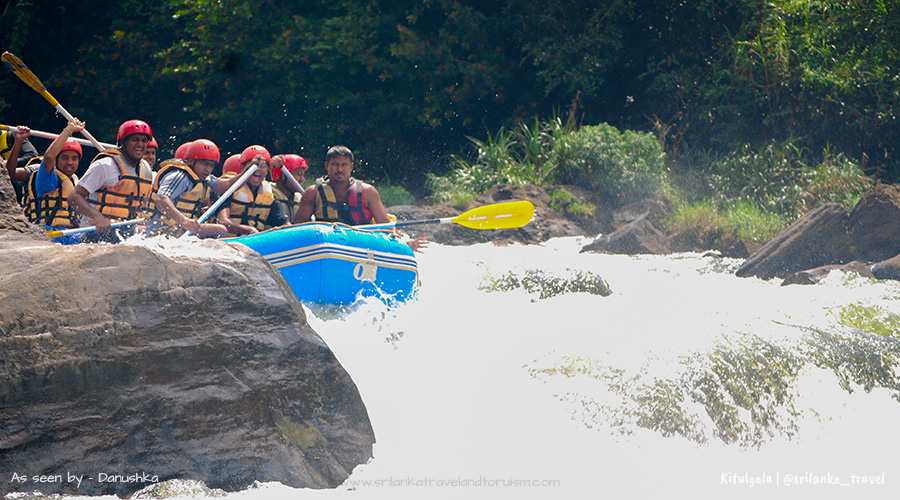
column 190, row 203
column 249, row 210
column 52, row 208
column 290, row 203
column 354, row 212
column 125, row 199
column 5, row 144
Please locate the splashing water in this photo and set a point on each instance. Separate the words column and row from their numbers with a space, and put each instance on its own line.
column 678, row 379
column 685, row 379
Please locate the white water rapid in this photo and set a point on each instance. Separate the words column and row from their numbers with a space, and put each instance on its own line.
column 685, row 382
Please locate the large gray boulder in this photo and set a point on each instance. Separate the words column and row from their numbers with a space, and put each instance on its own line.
column 118, row 360
column 638, row 237
column 875, row 224
column 819, row 238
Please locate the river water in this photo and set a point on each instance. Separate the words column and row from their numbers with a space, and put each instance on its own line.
column 685, row 381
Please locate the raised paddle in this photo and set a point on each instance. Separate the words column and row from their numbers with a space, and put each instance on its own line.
column 234, row 187
column 25, row 74
column 65, row 232
column 49, row 135
column 293, row 182
column 505, row 215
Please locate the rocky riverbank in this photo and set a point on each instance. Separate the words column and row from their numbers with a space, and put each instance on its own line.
column 865, row 240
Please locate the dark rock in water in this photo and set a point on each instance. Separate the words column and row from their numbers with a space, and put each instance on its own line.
column 887, row 269
column 813, row 276
column 638, row 237
column 875, row 224
column 652, row 210
column 819, row 238
column 742, row 249
column 127, row 366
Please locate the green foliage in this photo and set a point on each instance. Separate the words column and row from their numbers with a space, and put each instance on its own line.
column 572, row 44
column 395, row 195
column 779, row 178
column 818, row 72
column 404, row 83
column 720, row 225
column 623, row 167
column 527, row 154
column 565, row 202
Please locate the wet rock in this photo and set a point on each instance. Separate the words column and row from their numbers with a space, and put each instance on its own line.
column 819, row 238
column 887, row 269
column 652, row 210
column 638, row 237
column 12, row 218
column 742, row 249
column 124, row 361
column 875, row 224
column 813, row 276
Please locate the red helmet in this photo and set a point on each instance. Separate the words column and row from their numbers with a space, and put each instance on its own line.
column 133, row 127
column 180, row 152
column 72, row 145
column 253, row 151
column 153, row 143
column 202, row 149
column 232, row 164
column 291, row 162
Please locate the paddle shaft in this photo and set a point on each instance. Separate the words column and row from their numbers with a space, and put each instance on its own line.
column 293, row 182
column 49, row 135
column 87, row 229
column 234, row 187
column 84, row 132
column 504, row 215
column 402, row 223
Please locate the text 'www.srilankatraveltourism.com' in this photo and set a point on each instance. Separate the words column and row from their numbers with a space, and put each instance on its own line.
column 454, row 482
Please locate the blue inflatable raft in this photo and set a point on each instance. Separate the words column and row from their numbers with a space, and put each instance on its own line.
column 328, row 263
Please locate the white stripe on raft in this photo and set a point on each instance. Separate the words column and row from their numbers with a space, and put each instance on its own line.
column 341, row 252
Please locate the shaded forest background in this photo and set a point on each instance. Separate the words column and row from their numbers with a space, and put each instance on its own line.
column 403, row 83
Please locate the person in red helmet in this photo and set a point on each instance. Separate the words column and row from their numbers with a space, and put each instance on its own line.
column 150, row 153
column 50, row 186
column 252, row 208
column 231, row 166
column 181, row 150
column 116, row 185
column 285, row 190
column 181, row 193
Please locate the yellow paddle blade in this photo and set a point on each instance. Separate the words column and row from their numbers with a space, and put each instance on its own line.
column 26, row 75
column 53, row 234
column 497, row 216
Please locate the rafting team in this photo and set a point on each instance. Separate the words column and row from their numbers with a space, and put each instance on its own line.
column 120, row 185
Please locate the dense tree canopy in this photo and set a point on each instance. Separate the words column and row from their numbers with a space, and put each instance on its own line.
column 404, row 82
